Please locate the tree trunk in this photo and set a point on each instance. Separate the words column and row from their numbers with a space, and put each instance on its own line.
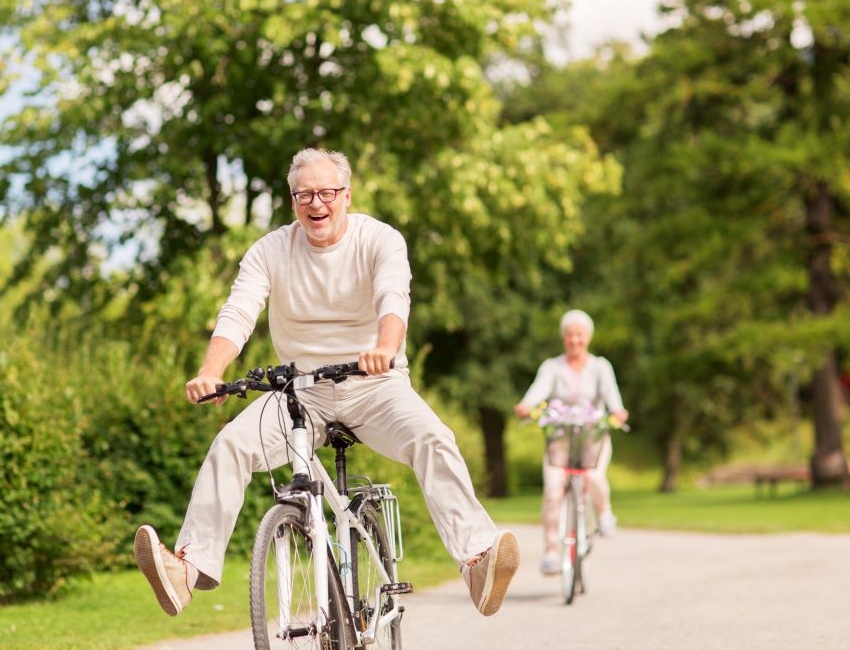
column 828, row 462
column 493, row 427
column 672, row 461
column 211, row 171
column 250, row 196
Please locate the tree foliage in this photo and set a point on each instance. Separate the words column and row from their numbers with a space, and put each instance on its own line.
column 181, row 119
column 154, row 125
column 733, row 141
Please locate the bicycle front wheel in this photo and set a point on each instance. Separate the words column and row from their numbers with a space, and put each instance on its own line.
column 285, row 612
column 569, row 537
column 374, row 610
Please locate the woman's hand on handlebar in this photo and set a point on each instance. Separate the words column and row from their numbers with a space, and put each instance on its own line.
column 522, row 411
column 204, row 385
column 377, row 361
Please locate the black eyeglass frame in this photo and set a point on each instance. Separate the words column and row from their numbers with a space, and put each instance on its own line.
column 335, row 190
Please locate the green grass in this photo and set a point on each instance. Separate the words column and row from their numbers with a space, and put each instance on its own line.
column 732, row 509
column 737, row 510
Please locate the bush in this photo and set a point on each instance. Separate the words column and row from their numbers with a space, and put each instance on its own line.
column 54, row 523
column 145, row 441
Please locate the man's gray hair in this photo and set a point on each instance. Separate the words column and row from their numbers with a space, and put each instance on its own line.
column 577, row 317
column 310, row 156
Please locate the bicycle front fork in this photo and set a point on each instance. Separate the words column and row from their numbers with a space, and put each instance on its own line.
column 313, row 490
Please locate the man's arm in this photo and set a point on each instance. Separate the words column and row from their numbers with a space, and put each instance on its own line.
column 220, row 353
column 391, row 332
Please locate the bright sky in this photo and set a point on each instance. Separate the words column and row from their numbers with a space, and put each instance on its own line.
column 595, row 21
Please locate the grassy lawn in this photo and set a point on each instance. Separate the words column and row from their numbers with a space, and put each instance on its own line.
column 117, row 611
column 736, row 509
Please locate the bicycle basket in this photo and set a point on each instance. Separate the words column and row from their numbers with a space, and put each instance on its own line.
column 575, row 447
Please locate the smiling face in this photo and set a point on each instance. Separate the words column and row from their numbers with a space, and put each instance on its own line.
column 576, row 340
column 323, row 223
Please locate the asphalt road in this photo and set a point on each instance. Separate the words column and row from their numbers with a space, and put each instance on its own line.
column 647, row 590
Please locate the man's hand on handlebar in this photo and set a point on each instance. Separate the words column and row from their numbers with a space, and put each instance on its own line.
column 377, row 361
column 204, row 385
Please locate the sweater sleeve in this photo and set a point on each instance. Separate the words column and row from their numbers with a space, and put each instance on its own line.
column 238, row 316
column 543, row 385
column 392, row 276
column 608, row 389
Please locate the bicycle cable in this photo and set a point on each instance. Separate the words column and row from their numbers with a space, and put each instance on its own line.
column 278, row 396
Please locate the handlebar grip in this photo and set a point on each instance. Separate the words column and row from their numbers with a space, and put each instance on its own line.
column 220, row 390
column 354, row 367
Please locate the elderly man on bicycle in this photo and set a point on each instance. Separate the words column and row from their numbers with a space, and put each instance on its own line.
column 338, row 288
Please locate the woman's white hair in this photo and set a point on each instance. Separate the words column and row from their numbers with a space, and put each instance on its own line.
column 576, row 317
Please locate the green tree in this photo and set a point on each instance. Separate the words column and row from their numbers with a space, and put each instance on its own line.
column 728, row 254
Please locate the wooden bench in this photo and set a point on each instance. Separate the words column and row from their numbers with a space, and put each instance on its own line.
column 768, row 478
column 765, row 478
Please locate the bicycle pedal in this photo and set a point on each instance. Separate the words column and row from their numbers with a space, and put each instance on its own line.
column 397, row 588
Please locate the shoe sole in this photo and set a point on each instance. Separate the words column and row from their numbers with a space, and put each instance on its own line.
column 149, row 560
column 503, row 563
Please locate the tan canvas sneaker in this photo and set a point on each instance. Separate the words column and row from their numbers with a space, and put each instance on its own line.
column 170, row 576
column 488, row 577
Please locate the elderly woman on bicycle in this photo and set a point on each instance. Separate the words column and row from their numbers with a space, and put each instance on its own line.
column 575, row 377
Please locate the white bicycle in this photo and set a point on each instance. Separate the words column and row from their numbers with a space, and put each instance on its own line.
column 310, row 589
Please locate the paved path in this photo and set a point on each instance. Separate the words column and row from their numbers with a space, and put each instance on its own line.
column 647, row 591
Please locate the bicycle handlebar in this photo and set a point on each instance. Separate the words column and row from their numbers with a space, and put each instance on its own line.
column 280, row 378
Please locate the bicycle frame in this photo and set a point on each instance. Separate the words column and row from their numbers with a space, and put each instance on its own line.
column 577, row 481
column 367, row 532
column 320, row 488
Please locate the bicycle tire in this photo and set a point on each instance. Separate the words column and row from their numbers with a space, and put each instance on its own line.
column 569, row 554
column 366, row 579
column 282, row 534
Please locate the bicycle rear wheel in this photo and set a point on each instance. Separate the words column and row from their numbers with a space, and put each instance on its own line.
column 367, row 581
column 568, row 533
column 284, row 609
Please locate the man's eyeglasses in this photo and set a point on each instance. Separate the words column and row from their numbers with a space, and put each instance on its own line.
column 325, row 196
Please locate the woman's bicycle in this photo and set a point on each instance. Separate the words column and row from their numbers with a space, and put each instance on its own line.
column 575, row 435
column 576, row 449
column 308, row 588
